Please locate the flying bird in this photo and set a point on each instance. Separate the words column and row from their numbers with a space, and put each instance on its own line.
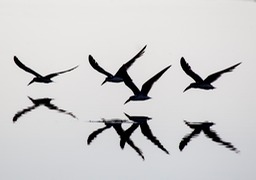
column 140, row 95
column 205, row 127
column 118, row 77
column 40, row 102
column 142, row 121
column 117, row 125
column 39, row 78
column 199, row 82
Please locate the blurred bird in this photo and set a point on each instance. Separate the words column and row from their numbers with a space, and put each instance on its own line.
column 142, row 121
column 39, row 78
column 140, row 95
column 205, row 127
column 118, row 77
column 199, row 82
column 40, row 102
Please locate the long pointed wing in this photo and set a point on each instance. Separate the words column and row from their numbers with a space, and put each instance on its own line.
column 127, row 133
column 94, row 134
column 120, row 132
column 61, row 72
column 127, row 65
column 187, row 69
column 25, row 68
column 147, row 85
column 214, row 136
column 129, row 83
column 97, row 67
column 188, row 137
column 53, row 107
column 216, row 75
column 22, row 112
column 146, row 131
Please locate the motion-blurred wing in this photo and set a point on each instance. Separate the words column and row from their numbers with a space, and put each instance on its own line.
column 214, row 136
column 187, row 69
column 20, row 113
column 211, row 78
column 53, row 107
column 146, row 131
column 94, row 134
column 187, row 138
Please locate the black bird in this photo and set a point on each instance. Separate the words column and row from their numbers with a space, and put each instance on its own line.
column 199, row 82
column 117, row 125
column 145, row 129
column 205, row 127
column 40, row 102
column 39, row 78
column 118, row 77
column 140, row 95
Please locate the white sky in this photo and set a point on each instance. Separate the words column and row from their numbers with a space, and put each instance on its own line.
column 52, row 36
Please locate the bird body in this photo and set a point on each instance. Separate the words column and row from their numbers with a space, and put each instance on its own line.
column 39, row 78
column 199, row 82
column 118, row 77
column 203, row 127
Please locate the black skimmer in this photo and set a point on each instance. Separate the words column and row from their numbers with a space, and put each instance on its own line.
column 117, row 125
column 140, row 95
column 118, row 77
column 199, row 82
column 205, row 127
column 40, row 102
column 39, row 78
column 145, row 130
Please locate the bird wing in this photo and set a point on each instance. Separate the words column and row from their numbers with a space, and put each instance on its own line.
column 187, row 69
column 188, row 137
column 146, row 131
column 25, row 68
column 97, row 67
column 94, row 134
column 147, row 85
column 216, row 75
column 53, row 107
column 127, row 65
column 214, row 136
column 22, row 112
column 129, row 83
column 61, row 72
column 127, row 133
column 120, row 132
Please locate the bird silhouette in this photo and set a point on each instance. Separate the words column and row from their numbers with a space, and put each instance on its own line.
column 40, row 102
column 117, row 125
column 140, row 95
column 118, row 77
column 199, row 82
column 39, row 78
column 205, row 127
column 145, row 129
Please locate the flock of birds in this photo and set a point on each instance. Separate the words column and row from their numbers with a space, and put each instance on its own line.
column 139, row 95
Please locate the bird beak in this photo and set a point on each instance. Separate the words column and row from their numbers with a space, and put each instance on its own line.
column 127, row 101
column 187, row 88
column 104, row 82
column 30, row 82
